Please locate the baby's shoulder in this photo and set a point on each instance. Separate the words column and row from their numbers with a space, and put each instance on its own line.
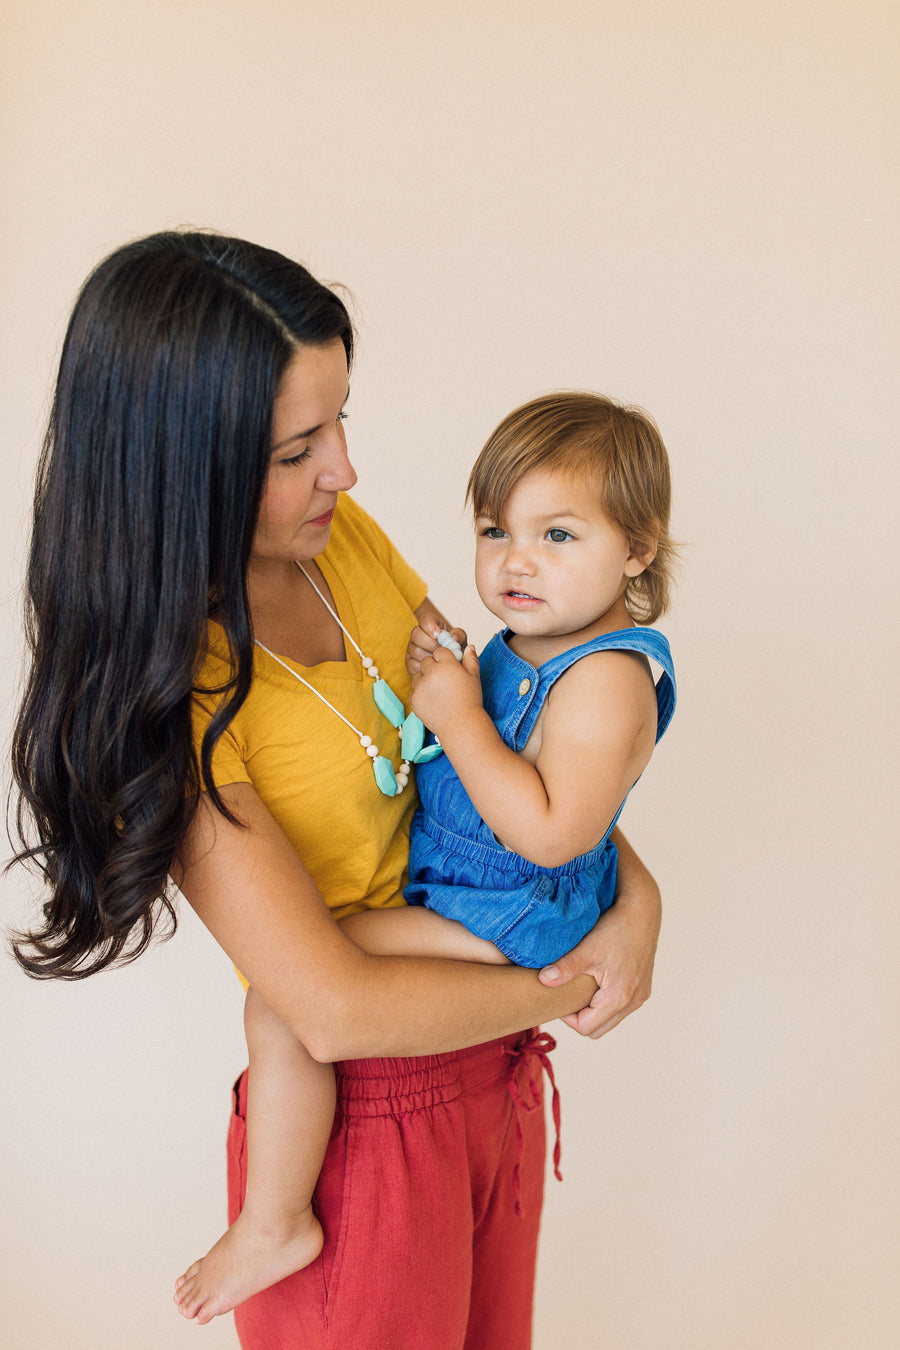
column 614, row 682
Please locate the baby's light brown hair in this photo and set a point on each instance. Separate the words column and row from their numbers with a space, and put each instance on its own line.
column 622, row 456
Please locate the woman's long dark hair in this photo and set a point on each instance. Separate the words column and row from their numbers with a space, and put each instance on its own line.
column 147, row 497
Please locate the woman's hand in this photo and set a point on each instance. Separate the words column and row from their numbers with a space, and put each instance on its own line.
column 619, row 951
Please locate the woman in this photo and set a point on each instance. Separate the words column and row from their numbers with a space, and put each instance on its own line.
column 195, row 455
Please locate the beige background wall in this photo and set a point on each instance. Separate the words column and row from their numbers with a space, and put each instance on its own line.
column 682, row 205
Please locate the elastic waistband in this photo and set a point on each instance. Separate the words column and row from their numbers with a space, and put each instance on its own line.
column 495, row 855
column 376, row 1087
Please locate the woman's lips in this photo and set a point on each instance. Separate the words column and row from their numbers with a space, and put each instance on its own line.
column 326, row 519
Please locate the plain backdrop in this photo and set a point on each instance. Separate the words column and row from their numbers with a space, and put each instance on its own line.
column 684, row 206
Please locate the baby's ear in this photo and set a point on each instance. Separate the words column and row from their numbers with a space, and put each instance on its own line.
column 641, row 554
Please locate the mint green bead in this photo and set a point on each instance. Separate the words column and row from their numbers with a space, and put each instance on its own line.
column 413, row 737
column 385, row 776
column 429, row 752
column 387, row 702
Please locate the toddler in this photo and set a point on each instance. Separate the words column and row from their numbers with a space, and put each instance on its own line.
column 543, row 738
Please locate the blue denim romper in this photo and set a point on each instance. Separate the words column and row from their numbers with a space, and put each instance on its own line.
column 460, row 869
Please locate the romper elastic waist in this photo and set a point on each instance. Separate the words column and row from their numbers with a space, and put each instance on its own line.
column 496, row 854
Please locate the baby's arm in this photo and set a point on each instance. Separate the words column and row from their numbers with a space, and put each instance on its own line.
column 598, row 733
column 411, row 930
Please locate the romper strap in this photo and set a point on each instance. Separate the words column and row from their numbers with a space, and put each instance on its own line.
column 536, row 682
column 649, row 642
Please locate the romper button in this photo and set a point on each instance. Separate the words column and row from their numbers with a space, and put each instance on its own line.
column 524, row 686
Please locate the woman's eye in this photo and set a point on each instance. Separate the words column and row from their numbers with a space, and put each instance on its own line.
column 298, row 458
column 558, row 536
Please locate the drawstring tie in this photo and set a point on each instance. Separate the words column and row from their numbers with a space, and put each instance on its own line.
column 534, row 1053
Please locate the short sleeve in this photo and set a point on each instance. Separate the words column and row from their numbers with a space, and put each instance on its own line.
column 229, row 755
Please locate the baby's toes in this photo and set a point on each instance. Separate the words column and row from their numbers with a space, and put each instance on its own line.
column 188, row 1299
column 206, row 1313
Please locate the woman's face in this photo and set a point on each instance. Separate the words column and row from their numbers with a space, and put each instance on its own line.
column 309, row 464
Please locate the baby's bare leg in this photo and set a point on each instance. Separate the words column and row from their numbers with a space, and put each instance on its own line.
column 412, row 930
column 290, row 1108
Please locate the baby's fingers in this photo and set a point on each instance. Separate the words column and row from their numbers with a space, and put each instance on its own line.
column 421, row 645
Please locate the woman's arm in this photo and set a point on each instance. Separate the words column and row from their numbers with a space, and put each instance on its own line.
column 253, row 893
column 619, row 952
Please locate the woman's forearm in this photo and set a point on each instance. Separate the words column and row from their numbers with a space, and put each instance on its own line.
column 251, row 890
column 421, row 1006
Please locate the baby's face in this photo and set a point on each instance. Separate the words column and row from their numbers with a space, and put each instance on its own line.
column 556, row 565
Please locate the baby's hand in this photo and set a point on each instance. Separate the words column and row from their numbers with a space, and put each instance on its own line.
column 426, row 639
column 446, row 687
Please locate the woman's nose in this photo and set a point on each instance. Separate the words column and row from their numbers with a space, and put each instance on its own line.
column 337, row 473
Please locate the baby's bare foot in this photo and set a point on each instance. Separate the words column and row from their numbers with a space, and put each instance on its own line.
column 245, row 1260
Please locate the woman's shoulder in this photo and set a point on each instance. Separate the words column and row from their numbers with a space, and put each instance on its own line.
column 359, row 549
column 352, row 521
column 214, row 666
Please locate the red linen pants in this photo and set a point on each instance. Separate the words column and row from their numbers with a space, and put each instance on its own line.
column 430, row 1198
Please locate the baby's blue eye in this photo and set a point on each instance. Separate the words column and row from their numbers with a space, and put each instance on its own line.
column 558, row 536
column 493, row 532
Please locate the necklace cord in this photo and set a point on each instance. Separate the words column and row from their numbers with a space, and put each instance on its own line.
column 389, row 782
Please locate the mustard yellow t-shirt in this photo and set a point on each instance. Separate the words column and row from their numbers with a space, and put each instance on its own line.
column 306, row 765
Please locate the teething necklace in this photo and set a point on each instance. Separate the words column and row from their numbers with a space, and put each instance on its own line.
column 412, row 731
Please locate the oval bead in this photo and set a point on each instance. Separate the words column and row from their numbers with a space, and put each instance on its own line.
column 387, row 703
column 385, row 776
column 412, row 736
column 427, row 753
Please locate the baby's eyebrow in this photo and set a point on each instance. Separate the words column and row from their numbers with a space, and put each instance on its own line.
column 567, row 513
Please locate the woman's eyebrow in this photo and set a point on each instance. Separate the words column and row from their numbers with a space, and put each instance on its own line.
column 301, row 435
column 297, row 436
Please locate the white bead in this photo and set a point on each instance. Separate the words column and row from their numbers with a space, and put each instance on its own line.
column 365, row 740
column 372, row 751
column 373, row 671
column 451, row 644
column 367, row 661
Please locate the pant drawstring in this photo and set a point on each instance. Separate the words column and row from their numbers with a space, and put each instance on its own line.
column 535, row 1054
